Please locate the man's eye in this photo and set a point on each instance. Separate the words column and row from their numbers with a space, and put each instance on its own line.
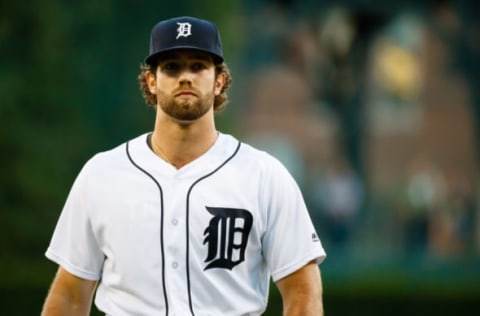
column 198, row 66
column 171, row 66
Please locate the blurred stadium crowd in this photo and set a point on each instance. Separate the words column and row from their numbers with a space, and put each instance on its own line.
column 376, row 114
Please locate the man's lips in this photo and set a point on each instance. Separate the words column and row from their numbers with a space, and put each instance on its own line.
column 185, row 94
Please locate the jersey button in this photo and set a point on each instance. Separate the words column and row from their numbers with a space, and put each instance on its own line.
column 174, row 265
column 174, row 222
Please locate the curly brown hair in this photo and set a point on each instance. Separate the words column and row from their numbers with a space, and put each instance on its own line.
column 220, row 101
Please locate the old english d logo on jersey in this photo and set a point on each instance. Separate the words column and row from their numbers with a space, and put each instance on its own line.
column 227, row 237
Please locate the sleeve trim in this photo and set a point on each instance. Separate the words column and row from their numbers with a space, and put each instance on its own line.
column 318, row 255
column 73, row 269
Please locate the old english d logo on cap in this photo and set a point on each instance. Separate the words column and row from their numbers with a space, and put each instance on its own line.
column 184, row 29
column 185, row 33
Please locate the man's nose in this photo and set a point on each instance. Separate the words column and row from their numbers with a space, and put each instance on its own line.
column 185, row 76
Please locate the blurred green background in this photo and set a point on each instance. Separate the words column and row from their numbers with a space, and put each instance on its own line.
column 373, row 106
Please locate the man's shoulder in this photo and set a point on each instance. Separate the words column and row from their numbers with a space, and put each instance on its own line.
column 249, row 155
column 115, row 155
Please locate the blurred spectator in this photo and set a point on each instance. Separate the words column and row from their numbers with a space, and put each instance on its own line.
column 452, row 224
column 425, row 193
column 440, row 218
column 340, row 196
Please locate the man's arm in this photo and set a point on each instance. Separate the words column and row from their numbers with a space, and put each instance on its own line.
column 301, row 292
column 69, row 295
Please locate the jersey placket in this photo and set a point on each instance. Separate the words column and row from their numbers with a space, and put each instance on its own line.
column 175, row 245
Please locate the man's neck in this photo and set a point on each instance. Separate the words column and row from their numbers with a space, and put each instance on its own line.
column 179, row 143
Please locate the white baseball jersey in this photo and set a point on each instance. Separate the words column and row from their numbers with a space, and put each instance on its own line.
column 201, row 240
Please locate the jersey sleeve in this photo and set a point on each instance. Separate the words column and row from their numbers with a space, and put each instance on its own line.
column 290, row 240
column 73, row 245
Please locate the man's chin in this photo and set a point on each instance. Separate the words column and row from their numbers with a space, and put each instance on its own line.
column 185, row 119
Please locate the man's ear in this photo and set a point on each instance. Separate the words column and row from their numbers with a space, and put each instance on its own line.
column 219, row 83
column 151, row 81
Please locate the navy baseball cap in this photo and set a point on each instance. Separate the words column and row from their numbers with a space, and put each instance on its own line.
column 185, row 33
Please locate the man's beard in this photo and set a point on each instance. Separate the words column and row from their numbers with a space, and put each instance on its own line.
column 186, row 110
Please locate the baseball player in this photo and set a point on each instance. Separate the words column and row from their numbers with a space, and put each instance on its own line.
column 184, row 220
